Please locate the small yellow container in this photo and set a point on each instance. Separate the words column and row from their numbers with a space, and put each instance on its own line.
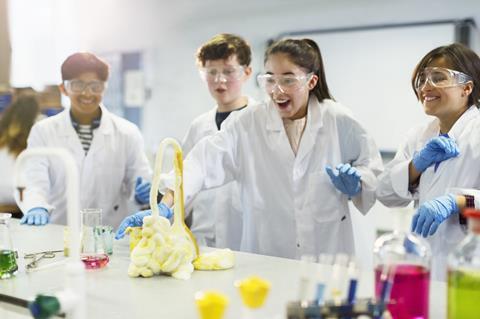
column 253, row 290
column 211, row 304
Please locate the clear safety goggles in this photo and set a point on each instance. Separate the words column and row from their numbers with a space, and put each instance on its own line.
column 285, row 83
column 227, row 74
column 440, row 78
column 78, row 86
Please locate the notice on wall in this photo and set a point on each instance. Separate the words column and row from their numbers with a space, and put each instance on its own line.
column 134, row 88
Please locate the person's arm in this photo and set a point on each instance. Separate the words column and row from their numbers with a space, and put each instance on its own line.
column 34, row 204
column 138, row 173
column 359, row 149
column 394, row 187
column 413, row 176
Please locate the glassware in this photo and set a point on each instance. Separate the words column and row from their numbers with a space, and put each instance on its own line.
column 402, row 270
column 8, row 262
column 464, row 272
column 93, row 254
column 104, row 238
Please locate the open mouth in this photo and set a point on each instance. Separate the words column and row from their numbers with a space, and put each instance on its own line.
column 283, row 103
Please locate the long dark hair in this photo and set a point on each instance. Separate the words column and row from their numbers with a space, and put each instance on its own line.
column 461, row 58
column 16, row 122
column 306, row 54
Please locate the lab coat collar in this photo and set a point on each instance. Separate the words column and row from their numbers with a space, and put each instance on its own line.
column 67, row 128
column 314, row 122
column 314, row 116
column 460, row 124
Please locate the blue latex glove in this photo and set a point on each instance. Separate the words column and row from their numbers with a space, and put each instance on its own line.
column 432, row 213
column 136, row 220
column 437, row 150
column 142, row 191
column 36, row 216
column 345, row 178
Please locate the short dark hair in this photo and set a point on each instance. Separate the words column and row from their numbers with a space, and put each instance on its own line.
column 305, row 53
column 460, row 58
column 223, row 46
column 82, row 62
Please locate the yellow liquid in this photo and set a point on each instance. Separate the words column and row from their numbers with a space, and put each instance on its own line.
column 463, row 294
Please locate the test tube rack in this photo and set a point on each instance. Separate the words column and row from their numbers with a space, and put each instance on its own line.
column 362, row 308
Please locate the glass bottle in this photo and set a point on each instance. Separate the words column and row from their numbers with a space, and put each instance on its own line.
column 8, row 262
column 402, row 270
column 464, row 272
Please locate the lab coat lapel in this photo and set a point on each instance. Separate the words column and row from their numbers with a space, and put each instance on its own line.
column 314, row 123
column 276, row 135
column 70, row 137
column 455, row 133
column 101, row 135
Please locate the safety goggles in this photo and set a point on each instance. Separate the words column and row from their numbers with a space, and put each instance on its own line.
column 440, row 78
column 227, row 74
column 285, row 83
column 78, row 86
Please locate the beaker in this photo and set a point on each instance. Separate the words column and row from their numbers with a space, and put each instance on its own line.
column 464, row 272
column 8, row 262
column 92, row 253
column 402, row 270
column 104, row 238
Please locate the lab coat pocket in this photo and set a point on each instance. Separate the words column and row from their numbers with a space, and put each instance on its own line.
column 323, row 201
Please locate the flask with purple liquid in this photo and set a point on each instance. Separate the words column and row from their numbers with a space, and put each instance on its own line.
column 402, row 270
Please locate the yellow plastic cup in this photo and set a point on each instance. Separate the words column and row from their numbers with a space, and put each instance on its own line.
column 211, row 304
column 253, row 291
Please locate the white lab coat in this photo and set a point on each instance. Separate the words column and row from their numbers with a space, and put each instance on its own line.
column 7, row 165
column 107, row 173
column 290, row 207
column 462, row 172
column 217, row 219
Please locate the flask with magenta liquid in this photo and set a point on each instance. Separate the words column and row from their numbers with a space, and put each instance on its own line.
column 464, row 272
column 402, row 269
column 8, row 262
column 93, row 254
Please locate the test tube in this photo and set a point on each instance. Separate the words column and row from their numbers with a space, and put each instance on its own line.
column 339, row 274
column 325, row 261
column 305, row 283
column 352, row 282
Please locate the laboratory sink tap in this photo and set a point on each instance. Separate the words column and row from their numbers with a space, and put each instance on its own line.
column 71, row 300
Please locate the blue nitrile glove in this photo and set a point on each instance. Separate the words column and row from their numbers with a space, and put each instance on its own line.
column 36, row 216
column 136, row 220
column 437, row 150
column 345, row 178
column 142, row 191
column 432, row 213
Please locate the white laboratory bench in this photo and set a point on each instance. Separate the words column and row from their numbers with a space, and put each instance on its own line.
column 112, row 294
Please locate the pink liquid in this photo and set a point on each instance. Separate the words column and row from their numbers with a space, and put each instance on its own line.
column 95, row 261
column 410, row 291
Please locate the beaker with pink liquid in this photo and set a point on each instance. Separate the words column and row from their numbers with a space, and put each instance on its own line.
column 402, row 271
column 92, row 250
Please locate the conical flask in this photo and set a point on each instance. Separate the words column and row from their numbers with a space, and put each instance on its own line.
column 402, row 269
column 8, row 262
column 464, row 272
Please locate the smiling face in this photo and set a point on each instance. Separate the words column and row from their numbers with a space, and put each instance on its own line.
column 447, row 104
column 225, row 79
column 85, row 104
column 291, row 104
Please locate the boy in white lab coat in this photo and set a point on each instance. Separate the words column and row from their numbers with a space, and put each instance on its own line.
column 224, row 64
column 108, row 151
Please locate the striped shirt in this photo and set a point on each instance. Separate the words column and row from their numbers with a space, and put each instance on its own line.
column 85, row 132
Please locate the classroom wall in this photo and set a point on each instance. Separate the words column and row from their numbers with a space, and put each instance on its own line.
column 174, row 31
